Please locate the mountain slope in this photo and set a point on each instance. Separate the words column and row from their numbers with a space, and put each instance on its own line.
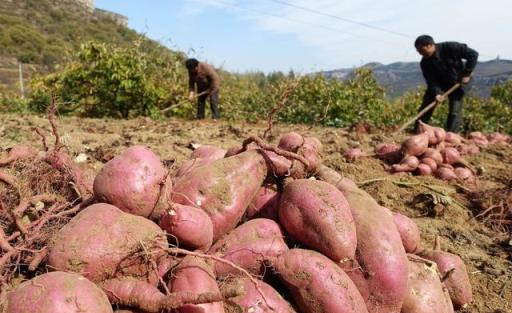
column 43, row 31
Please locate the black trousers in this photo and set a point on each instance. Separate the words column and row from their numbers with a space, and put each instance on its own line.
column 214, row 102
column 456, row 100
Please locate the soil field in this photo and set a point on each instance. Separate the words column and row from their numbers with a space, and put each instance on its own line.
column 449, row 210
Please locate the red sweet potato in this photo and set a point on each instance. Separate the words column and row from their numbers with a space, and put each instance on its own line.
column 312, row 151
column 328, row 175
column 191, row 226
column 103, row 242
column 317, row 215
column 436, row 134
column 265, row 204
column 433, row 154
column 423, row 170
column 249, row 246
column 408, row 164
column 464, row 174
column 197, row 276
column 19, row 152
column 251, row 300
column 389, row 153
column 223, row 188
column 409, row 232
column 309, row 147
column 208, row 152
column 415, row 145
column 191, row 164
column 426, row 293
column 133, row 182
column 430, row 162
column 57, row 292
column 379, row 250
column 317, row 284
column 291, row 141
column 454, row 274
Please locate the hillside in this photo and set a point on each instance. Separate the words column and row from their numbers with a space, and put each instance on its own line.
column 400, row 77
column 42, row 33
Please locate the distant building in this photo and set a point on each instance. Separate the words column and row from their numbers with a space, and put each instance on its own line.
column 118, row 18
column 88, row 4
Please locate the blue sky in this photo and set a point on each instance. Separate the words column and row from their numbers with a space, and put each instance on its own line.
column 314, row 35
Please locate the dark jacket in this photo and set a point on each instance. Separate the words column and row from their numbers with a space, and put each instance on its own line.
column 445, row 68
column 205, row 78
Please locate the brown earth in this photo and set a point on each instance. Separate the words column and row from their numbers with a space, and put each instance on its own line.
column 439, row 208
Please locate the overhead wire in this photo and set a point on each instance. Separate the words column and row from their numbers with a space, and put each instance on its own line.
column 298, row 21
column 333, row 16
column 285, row 3
column 367, row 25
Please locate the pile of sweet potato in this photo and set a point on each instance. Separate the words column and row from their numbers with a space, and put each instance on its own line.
column 254, row 228
column 433, row 151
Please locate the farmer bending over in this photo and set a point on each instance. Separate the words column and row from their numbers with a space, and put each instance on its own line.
column 207, row 81
column 442, row 66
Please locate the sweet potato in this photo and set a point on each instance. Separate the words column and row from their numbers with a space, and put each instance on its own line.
column 436, row 134
column 309, row 147
column 19, row 152
column 409, row 232
column 423, row 170
column 415, row 145
column 133, row 182
column 389, row 153
column 208, row 152
column 317, row 215
column 328, row 175
column 249, row 246
column 426, row 293
column 189, row 165
column 464, row 174
column 408, row 164
column 197, row 276
column 291, row 141
column 265, row 204
column 251, row 300
column 433, row 154
column 103, row 242
column 312, row 151
column 57, row 292
column 190, row 226
column 223, row 188
column 317, row 284
column 430, row 162
column 445, row 173
column 454, row 274
column 379, row 250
